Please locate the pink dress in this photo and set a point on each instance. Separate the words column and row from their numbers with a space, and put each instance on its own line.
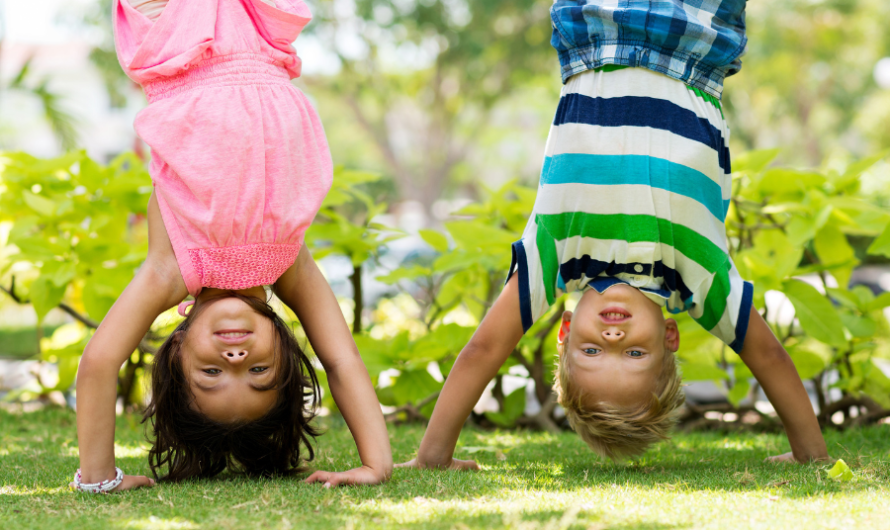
column 240, row 162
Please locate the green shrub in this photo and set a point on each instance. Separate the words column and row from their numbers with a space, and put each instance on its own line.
column 75, row 233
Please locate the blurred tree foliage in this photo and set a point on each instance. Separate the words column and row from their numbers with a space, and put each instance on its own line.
column 807, row 80
column 72, row 233
column 427, row 91
column 422, row 78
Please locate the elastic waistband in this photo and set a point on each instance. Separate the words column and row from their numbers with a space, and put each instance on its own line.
column 224, row 70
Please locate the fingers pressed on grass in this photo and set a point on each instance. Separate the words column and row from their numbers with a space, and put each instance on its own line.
column 318, row 476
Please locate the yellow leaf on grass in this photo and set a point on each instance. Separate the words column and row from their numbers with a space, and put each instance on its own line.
column 841, row 471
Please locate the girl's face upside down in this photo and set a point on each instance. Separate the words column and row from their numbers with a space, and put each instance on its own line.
column 228, row 357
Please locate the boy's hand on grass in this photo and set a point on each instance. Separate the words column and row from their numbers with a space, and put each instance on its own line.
column 452, row 465
column 788, row 458
column 359, row 475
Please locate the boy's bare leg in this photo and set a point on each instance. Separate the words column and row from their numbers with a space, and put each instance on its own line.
column 477, row 364
column 775, row 371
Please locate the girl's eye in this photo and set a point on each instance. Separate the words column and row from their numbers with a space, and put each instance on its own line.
column 591, row 351
column 635, row 353
column 212, row 371
column 259, row 369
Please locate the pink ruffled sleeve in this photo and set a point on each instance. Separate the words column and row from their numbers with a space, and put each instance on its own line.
column 130, row 29
column 280, row 26
column 148, row 50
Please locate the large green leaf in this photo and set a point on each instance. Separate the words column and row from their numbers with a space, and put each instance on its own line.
column 859, row 327
column 377, row 355
column 754, row 161
column 783, row 181
column 881, row 244
column 739, row 391
column 42, row 205
column 435, row 239
column 800, row 230
column 807, row 363
column 472, row 235
column 880, row 302
column 45, row 295
column 814, row 312
column 445, row 340
column 696, row 371
column 411, row 272
column 412, row 386
column 102, row 289
column 514, row 406
column 833, row 248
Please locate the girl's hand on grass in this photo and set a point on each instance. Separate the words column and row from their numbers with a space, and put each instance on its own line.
column 453, row 465
column 130, row 482
column 359, row 475
column 135, row 481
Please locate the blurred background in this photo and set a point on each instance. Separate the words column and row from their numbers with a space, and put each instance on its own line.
column 445, row 102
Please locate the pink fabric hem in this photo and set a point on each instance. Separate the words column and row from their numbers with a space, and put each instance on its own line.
column 243, row 266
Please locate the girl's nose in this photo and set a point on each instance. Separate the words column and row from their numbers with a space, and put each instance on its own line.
column 235, row 357
column 613, row 334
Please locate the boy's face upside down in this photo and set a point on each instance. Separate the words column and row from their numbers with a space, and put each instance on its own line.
column 616, row 346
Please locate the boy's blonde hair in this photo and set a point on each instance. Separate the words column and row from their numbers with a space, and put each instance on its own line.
column 615, row 432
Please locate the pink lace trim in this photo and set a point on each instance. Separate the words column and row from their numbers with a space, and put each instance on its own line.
column 244, row 266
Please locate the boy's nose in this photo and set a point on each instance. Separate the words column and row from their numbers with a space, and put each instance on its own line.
column 613, row 335
column 235, row 357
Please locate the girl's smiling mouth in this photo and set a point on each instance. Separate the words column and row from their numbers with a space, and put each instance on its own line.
column 233, row 336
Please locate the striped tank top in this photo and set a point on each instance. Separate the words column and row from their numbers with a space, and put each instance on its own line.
column 635, row 188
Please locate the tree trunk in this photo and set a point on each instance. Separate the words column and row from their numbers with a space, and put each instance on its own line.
column 356, row 279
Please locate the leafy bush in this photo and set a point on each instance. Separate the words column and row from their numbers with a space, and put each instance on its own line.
column 75, row 233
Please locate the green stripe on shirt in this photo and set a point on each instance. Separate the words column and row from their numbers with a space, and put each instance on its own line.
column 633, row 229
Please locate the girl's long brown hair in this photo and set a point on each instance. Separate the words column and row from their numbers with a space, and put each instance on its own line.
column 188, row 444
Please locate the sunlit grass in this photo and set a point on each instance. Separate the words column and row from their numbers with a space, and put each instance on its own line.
column 527, row 480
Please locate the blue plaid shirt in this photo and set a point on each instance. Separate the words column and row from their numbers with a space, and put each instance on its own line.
column 698, row 42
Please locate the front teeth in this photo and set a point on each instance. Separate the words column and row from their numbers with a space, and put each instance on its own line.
column 231, row 334
column 615, row 315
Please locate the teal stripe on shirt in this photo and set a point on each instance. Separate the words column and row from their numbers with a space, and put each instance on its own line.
column 605, row 170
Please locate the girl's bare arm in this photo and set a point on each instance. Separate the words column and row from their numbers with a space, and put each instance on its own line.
column 156, row 287
column 775, row 371
column 305, row 290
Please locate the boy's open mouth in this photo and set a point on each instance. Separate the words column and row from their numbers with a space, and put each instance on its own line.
column 613, row 315
column 233, row 336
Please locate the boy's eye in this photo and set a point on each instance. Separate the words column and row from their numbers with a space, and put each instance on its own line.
column 212, row 371
column 259, row 369
column 591, row 351
column 635, row 353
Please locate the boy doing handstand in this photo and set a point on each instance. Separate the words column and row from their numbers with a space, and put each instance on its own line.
column 630, row 211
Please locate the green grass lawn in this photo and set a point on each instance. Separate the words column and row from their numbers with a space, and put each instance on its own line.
column 528, row 480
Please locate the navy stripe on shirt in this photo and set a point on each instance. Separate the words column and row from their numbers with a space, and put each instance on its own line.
column 576, row 268
column 633, row 111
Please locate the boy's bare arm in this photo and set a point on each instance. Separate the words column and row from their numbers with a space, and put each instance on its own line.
column 304, row 289
column 775, row 371
column 477, row 364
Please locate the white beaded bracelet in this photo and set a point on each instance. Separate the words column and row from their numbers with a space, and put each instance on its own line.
column 99, row 487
